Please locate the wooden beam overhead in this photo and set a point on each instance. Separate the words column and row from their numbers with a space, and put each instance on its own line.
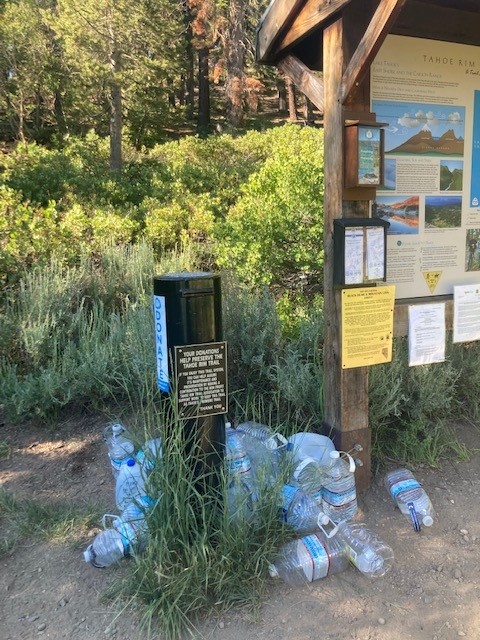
column 310, row 84
column 273, row 23
column 310, row 16
column 373, row 38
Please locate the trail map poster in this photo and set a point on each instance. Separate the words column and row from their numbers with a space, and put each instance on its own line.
column 429, row 94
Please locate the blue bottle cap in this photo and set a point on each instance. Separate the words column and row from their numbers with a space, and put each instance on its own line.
column 130, row 462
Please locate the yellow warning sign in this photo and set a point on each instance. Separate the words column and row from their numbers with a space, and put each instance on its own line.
column 367, row 326
column 432, row 278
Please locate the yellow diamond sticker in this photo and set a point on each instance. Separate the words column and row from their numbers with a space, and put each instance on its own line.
column 432, row 278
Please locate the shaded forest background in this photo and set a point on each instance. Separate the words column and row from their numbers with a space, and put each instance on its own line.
column 136, row 72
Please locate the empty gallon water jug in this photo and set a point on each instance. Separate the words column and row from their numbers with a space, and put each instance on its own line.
column 120, row 445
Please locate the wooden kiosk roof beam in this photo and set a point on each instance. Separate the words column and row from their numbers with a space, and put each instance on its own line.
column 272, row 35
column 310, row 84
column 310, row 16
column 274, row 22
column 380, row 25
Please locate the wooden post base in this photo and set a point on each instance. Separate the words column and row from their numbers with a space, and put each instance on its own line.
column 346, row 441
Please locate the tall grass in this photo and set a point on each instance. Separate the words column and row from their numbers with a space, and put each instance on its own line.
column 200, row 558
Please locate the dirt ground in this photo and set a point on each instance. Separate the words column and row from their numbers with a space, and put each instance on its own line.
column 432, row 592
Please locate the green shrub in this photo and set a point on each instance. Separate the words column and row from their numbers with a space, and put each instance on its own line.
column 274, row 233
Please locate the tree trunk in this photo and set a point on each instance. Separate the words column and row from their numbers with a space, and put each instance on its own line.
column 116, row 123
column 292, row 107
column 308, row 111
column 203, row 90
column 171, row 93
column 21, row 119
column 115, row 127
column 235, row 62
column 282, row 95
column 190, row 63
column 59, row 114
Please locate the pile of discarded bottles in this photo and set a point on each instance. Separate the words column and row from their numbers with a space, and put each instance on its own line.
column 318, row 501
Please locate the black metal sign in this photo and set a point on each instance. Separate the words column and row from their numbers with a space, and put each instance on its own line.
column 201, row 378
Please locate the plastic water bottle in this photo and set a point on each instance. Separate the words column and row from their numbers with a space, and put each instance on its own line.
column 410, row 497
column 339, row 492
column 150, row 453
column 106, row 549
column 309, row 558
column 266, row 457
column 238, row 461
column 365, row 549
column 130, row 485
column 239, row 501
column 127, row 536
column 300, row 510
column 120, row 446
column 132, row 525
column 256, row 430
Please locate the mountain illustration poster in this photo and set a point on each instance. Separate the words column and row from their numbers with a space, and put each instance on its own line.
column 428, row 95
column 423, row 129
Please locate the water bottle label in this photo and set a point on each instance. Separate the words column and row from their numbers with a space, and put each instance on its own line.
column 288, row 493
column 340, row 498
column 239, row 464
column 351, row 555
column 313, row 558
column 403, row 485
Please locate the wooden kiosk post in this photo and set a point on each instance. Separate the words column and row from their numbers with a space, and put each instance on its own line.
column 351, row 39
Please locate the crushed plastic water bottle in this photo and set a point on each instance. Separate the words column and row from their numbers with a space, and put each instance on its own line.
column 410, row 497
column 365, row 550
column 300, row 510
column 256, row 430
column 151, row 452
column 309, row 558
column 266, row 451
column 339, row 492
column 120, row 446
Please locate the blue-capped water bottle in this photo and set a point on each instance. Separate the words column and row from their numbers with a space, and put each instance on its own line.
column 410, row 497
column 130, row 485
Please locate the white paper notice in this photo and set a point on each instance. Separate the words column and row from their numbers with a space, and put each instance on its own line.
column 426, row 333
column 375, row 253
column 466, row 313
column 354, row 255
